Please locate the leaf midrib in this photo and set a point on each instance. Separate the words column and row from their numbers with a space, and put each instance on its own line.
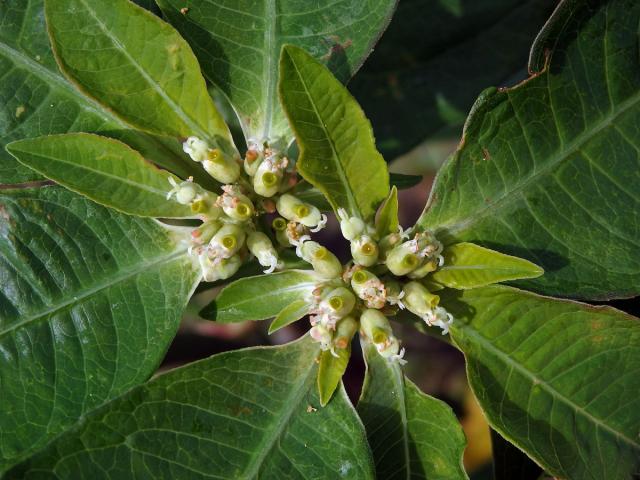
column 150, row 81
column 397, row 374
column 353, row 205
column 82, row 295
column 291, row 405
column 535, row 380
column 562, row 155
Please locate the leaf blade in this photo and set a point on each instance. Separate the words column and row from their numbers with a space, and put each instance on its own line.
column 71, row 282
column 467, row 265
column 289, row 314
column 104, row 170
column 540, row 367
column 570, row 132
column 156, row 87
column 261, row 297
column 248, row 424
column 331, row 160
column 387, row 221
column 424, row 439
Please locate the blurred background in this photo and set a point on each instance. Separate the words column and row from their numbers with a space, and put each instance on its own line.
column 416, row 88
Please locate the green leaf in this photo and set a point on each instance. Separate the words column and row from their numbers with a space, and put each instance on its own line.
column 335, row 138
column 434, row 60
column 89, row 301
column 239, row 47
column 550, row 170
column 36, row 100
column 387, row 221
column 467, row 265
column 558, row 379
column 261, row 297
column 135, row 64
column 412, row 435
column 330, row 371
column 104, row 170
column 289, row 314
column 251, row 413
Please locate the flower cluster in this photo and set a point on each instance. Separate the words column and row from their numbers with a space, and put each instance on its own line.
column 383, row 277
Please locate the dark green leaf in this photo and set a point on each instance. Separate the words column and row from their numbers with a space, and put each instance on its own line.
column 89, row 301
column 246, row 414
column 135, row 64
column 239, row 46
column 104, row 170
column 289, row 314
column 36, row 100
column 335, row 138
column 467, row 265
column 330, row 371
column 261, row 297
column 412, row 435
column 550, row 170
column 559, row 379
column 387, row 221
column 434, row 60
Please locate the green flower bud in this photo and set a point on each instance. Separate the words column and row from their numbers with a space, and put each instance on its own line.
column 338, row 303
column 418, row 299
column 375, row 326
column 345, row 330
column 279, row 226
column 267, row 179
column 351, row 227
column 221, row 166
column 323, row 261
column 197, row 149
column 364, row 251
column 205, row 232
column 219, row 269
column 424, row 269
column 387, row 243
column 322, row 335
column 401, row 259
column 206, row 205
column 369, row 288
column 252, row 161
column 227, row 241
column 296, row 210
column 236, row 205
column 260, row 245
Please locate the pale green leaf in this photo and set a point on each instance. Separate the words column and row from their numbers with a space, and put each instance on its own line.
column 36, row 100
column 330, row 371
column 289, row 314
column 247, row 414
column 559, row 379
column 135, row 64
column 89, row 301
column 412, row 435
column 467, row 265
column 387, row 220
column 261, row 297
column 104, row 170
column 550, row 170
column 336, row 143
column 238, row 45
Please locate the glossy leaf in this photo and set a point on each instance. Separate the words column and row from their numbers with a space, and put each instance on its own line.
column 467, row 265
column 251, row 413
column 387, row 220
column 559, row 379
column 289, row 314
column 89, row 301
column 549, row 170
column 330, row 371
column 104, row 170
column 261, row 297
column 412, row 435
column 135, row 64
column 335, row 138
column 36, row 100
column 239, row 45
column 434, row 60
